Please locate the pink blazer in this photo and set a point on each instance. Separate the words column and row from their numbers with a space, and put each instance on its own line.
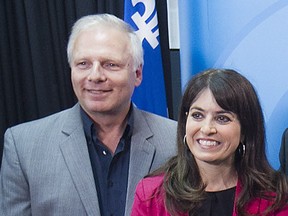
column 149, row 200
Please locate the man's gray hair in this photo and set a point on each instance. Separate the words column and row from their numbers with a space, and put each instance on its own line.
column 89, row 21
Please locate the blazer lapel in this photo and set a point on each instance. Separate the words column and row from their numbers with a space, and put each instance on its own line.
column 141, row 156
column 75, row 153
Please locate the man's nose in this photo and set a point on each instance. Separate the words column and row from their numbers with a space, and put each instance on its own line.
column 97, row 73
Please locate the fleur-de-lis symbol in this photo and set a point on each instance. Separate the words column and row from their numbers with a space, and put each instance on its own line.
column 147, row 30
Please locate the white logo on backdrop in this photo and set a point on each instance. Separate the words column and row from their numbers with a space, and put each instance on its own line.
column 150, row 30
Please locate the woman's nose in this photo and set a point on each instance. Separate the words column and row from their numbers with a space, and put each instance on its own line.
column 208, row 128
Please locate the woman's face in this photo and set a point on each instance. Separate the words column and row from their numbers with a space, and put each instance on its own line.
column 213, row 134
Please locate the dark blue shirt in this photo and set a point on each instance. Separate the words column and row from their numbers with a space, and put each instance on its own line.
column 110, row 171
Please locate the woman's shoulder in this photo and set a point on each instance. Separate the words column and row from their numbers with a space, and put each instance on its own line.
column 259, row 205
column 149, row 197
column 150, row 186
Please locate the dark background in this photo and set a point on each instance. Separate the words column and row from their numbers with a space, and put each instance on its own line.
column 34, row 73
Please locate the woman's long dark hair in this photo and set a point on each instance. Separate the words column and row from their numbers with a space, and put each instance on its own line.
column 183, row 185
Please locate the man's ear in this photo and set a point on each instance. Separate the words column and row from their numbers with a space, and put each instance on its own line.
column 139, row 75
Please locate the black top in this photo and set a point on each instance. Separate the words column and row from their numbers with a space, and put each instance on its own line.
column 110, row 171
column 218, row 203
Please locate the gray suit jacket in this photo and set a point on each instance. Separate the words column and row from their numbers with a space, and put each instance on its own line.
column 46, row 168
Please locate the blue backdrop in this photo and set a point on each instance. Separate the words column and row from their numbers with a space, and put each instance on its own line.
column 249, row 36
column 150, row 95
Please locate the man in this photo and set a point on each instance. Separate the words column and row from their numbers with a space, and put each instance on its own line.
column 88, row 159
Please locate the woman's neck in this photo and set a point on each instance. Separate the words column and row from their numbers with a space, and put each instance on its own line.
column 218, row 177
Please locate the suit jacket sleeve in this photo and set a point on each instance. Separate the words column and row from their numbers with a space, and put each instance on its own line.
column 14, row 197
column 46, row 168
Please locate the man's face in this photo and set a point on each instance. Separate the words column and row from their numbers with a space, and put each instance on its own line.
column 103, row 74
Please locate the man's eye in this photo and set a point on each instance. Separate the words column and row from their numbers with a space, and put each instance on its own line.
column 82, row 65
column 111, row 66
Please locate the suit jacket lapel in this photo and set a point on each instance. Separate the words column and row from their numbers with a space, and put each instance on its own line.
column 141, row 155
column 75, row 153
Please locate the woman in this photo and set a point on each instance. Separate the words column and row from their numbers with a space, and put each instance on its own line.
column 221, row 167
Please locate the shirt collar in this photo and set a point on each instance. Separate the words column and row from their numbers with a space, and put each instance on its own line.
column 88, row 124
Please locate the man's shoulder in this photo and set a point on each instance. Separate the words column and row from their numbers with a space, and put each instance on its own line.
column 52, row 119
column 154, row 118
column 161, row 130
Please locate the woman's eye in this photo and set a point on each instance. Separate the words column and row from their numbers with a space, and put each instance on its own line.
column 222, row 119
column 197, row 115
